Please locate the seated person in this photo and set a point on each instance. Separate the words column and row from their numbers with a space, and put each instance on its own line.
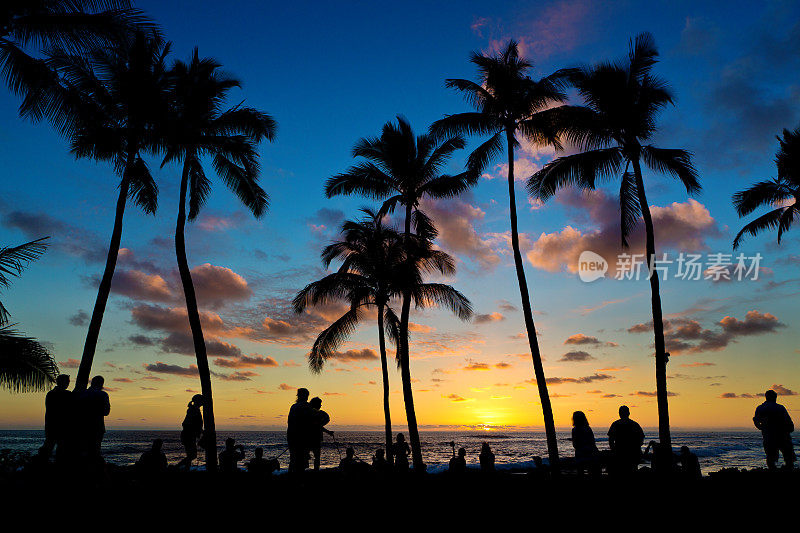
column 349, row 464
column 379, row 462
column 458, row 464
column 258, row 465
column 486, row 458
column 690, row 465
column 153, row 461
column 229, row 457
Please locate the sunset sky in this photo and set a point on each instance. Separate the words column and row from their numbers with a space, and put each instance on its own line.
column 333, row 72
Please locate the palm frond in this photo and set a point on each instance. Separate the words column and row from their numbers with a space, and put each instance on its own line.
column 446, row 296
column 675, row 162
column 25, row 365
column 629, row 208
column 332, row 337
column 580, row 170
column 770, row 220
column 763, row 193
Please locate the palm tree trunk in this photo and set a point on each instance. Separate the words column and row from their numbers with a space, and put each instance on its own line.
column 533, row 341
column 405, row 367
column 385, row 373
column 104, row 290
column 658, row 320
column 209, row 430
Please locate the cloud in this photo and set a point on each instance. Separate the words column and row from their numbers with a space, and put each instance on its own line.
column 81, row 318
column 69, row 363
column 420, row 328
column 506, row 306
column 64, row 237
column 686, row 335
column 455, row 398
column 473, row 365
column 216, row 286
column 576, row 357
column 245, row 361
column 176, row 370
column 651, row 394
column 691, row 365
column 503, row 365
column 580, row 339
column 783, row 391
column 284, row 386
column 680, row 226
column 183, row 343
column 142, row 286
column 491, row 317
column 585, row 379
column 350, row 356
column 731, row 395
column 456, row 220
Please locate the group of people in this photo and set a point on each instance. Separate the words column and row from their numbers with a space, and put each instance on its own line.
column 74, row 422
column 75, row 426
column 626, row 438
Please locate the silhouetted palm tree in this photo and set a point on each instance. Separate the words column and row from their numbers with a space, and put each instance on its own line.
column 25, row 365
column 622, row 101
column 401, row 170
column 111, row 102
column 370, row 253
column 774, row 193
column 27, row 27
column 507, row 104
column 199, row 127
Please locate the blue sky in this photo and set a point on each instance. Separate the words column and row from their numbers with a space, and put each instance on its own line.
column 331, row 73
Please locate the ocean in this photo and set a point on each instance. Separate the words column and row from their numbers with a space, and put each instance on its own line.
column 715, row 449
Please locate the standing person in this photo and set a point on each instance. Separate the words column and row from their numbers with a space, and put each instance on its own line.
column 93, row 406
column 776, row 428
column 584, row 444
column 458, row 463
column 57, row 419
column 625, row 438
column 318, row 420
column 192, row 430
column 486, row 458
column 298, row 431
column 401, row 451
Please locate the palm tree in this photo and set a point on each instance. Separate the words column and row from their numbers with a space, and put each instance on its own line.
column 774, row 193
column 25, row 365
column 622, row 102
column 507, row 104
column 29, row 26
column 111, row 102
column 197, row 126
column 370, row 252
column 401, row 170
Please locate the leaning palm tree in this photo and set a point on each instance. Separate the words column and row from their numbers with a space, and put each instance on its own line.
column 27, row 27
column 508, row 104
column 370, row 252
column 401, row 170
column 622, row 101
column 110, row 104
column 25, row 365
column 775, row 193
column 196, row 127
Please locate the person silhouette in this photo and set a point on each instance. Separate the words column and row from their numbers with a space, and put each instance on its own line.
column 690, row 465
column 230, row 456
column 260, row 466
column 318, row 420
column 776, row 430
column 192, row 430
column 299, row 432
column 625, row 438
column 153, row 461
column 58, row 405
column 349, row 464
column 93, row 406
column 458, row 463
column 486, row 458
column 401, row 451
column 586, row 452
column 379, row 462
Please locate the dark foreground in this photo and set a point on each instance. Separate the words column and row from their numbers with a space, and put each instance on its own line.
column 328, row 498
